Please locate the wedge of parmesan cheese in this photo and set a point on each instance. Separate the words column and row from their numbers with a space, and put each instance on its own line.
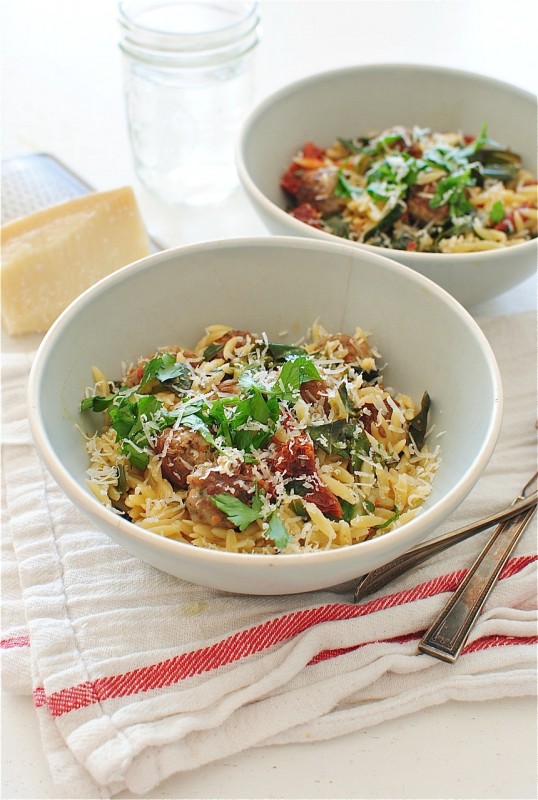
column 52, row 256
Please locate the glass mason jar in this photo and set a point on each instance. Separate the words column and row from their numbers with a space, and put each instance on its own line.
column 189, row 82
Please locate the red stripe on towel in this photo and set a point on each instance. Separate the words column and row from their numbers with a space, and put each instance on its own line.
column 247, row 642
column 498, row 641
column 23, row 640
column 325, row 655
column 480, row 644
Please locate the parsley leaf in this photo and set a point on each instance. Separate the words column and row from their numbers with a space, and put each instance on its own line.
column 451, row 191
column 497, row 212
column 292, row 375
column 253, row 421
column 238, row 512
column 129, row 416
column 136, row 454
column 277, row 532
column 348, row 509
column 165, row 368
column 344, row 187
column 96, row 402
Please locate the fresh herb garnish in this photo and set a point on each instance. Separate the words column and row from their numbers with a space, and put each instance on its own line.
column 96, row 402
column 132, row 417
column 497, row 212
column 348, row 509
column 293, row 374
column 242, row 515
column 253, row 421
column 165, row 369
column 344, row 187
column 277, row 532
column 451, row 191
column 238, row 512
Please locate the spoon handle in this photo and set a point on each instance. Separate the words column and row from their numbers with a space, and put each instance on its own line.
column 447, row 635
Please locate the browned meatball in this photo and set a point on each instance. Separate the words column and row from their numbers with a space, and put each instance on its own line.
column 317, row 188
column 204, row 483
column 182, row 451
column 370, row 415
column 418, row 205
column 311, row 391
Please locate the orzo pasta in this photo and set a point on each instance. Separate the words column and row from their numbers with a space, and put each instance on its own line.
column 414, row 189
column 256, row 446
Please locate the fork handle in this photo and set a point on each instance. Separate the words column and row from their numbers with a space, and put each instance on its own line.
column 447, row 635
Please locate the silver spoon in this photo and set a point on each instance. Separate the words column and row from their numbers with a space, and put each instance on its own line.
column 380, row 577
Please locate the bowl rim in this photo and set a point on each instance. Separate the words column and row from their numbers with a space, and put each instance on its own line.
column 460, row 259
column 98, row 513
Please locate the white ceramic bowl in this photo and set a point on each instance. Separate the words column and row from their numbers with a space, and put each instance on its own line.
column 271, row 284
column 357, row 100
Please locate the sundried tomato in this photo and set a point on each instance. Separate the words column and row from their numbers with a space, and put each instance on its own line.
column 311, row 150
column 291, row 179
column 325, row 500
column 307, row 213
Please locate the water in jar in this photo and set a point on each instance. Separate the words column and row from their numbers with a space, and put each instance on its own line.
column 183, row 128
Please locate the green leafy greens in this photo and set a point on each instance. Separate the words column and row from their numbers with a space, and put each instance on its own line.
column 344, row 439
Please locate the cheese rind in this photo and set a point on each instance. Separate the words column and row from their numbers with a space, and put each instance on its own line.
column 52, row 256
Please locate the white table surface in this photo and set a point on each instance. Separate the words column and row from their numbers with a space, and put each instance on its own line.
column 62, row 94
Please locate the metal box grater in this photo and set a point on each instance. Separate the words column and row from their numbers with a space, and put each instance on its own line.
column 39, row 180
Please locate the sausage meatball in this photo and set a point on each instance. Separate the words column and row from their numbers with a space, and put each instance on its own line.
column 317, row 188
column 205, row 482
column 312, row 391
column 182, row 450
column 418, row 205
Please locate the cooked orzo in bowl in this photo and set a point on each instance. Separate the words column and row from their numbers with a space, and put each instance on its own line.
column 430, row 166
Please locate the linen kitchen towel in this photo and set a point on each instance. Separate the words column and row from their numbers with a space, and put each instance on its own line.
column 136, row 675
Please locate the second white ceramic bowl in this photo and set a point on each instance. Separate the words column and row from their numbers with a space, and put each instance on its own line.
column 355, row 101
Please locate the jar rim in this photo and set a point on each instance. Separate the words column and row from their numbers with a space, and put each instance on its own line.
column 142, row 30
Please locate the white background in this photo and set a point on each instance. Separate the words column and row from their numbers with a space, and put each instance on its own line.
column 62, row 94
